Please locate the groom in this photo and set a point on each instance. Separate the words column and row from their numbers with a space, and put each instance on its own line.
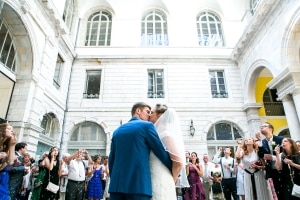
column 129, row 157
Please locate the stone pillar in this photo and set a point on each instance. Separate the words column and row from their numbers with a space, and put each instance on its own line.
column 296, row 97
column 253, row 119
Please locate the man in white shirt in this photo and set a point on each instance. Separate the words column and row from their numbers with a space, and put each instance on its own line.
column 76, row 177
column 228, row 173
column 207, row 167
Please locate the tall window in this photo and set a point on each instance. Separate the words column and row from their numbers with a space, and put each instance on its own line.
column 92, row 89
column 68, row 13
column 209, row 30
column 99, row 29
column 273, row 107
column 254, row 5
column 48, row 124
column 7, row 47
column 222, row 134
column 154, row 29
column 156, row 83
column 217, row 84
column 58, row 72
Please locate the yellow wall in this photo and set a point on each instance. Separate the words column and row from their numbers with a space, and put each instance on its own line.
column 261, row 86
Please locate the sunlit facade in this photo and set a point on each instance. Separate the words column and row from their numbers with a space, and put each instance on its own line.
column 70, row 70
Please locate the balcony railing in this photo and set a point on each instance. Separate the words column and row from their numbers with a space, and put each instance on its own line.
column 90, row 96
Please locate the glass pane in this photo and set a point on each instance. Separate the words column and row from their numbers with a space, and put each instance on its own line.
column 223, row 131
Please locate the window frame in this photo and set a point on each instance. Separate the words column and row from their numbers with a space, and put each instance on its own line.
column 212, row 40
column 57, row 77
column 9, row 59
column 68, row 13
column 153, row 84
column 219, row 93
column 87, row 94
column 151, row 38
column 102, row 29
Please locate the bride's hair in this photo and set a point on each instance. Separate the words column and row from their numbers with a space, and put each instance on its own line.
column 161, row 108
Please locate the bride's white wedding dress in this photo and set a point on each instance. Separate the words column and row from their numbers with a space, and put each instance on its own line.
column 163, row 186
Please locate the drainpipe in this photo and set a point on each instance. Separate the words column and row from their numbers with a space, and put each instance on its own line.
column 68, row 94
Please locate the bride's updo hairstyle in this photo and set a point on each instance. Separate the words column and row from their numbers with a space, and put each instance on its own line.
column 160, row 108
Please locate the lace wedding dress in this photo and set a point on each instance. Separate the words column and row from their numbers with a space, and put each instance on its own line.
column 163, row 186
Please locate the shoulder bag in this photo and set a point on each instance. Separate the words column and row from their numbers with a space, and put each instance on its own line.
column 51, row 186
column 296, row 188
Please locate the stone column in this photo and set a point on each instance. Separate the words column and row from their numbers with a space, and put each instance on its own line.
column 253, row 119
column 296, row 97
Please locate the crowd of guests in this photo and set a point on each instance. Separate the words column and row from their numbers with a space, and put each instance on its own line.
column 259, row 169
column 79, row 176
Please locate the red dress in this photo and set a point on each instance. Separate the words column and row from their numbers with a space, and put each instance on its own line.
column 196, row 190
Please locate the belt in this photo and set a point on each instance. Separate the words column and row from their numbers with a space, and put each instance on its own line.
column 78, row 182
column 228, row 178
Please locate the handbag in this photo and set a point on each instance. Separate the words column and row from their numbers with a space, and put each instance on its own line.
column 51, row 186
column 296, row 188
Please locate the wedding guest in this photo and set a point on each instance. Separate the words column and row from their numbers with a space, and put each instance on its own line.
column 76, row 176
column 18, row 170
column 255, row 185
column 228, row 172
column 27, row 178
column 206, row 178
column 194, row 171
column 63, row 173
column 39, row 175
column 94, row 187
column 216, row 174
column 105, row 178
column 7, row 156
column 266, row 151
column 51, row 175
column 289, row 163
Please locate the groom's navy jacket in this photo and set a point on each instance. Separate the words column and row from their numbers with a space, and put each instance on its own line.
column 129, row 157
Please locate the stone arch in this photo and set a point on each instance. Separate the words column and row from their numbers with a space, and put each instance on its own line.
column 291, row 41
column 252, row 74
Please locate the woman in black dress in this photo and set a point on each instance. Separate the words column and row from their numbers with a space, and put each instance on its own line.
column 52, row 169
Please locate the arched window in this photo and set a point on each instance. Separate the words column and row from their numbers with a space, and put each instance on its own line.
column 90, row 136
column 273, row 107
column 99, row 29
column 7, row 47
column 154, row 29
column 68, row 13
column 209, row 30
column 49, row 125
column 222, row 134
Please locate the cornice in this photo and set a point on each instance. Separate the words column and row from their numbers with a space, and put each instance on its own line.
column 258, row 20
column 54, row 17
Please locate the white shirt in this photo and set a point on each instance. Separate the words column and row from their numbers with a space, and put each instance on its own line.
column 76, row 170
column 207, row 174
column 227, row 173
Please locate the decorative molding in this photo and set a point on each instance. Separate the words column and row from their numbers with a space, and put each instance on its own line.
column 253, row 27
column 25, row 6
column 57, row 21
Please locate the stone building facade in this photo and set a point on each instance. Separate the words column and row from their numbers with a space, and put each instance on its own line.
column 70, row 70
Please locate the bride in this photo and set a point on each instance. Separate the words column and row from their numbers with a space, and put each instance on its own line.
column 163, row 182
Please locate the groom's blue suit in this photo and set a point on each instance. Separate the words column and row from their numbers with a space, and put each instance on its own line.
column 129, row 157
